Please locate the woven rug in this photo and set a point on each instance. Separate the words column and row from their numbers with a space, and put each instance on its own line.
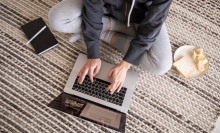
column 165, row 103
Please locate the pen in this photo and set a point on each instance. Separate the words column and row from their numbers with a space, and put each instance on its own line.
column 36, row 34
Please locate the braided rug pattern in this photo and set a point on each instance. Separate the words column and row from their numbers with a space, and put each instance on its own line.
column 167, row 103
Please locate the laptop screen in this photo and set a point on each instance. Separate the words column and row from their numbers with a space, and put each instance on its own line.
column 90, row 111
column 101, row 115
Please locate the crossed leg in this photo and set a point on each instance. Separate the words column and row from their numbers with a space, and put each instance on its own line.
column 66, row 17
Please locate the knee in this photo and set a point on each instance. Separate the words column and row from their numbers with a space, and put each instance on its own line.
column 65, row 13
column 158, row 60
column 161, row 67
column 157, row 66
column 54, row 16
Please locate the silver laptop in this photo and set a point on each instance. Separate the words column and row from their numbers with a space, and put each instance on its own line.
column 96, row 92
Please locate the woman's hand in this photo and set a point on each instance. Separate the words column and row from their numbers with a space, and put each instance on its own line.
column 118, row 73
column 92, row 66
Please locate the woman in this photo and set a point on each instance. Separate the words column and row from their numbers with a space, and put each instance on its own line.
column 144, row 40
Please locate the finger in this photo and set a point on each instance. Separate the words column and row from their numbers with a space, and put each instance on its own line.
column 80, row 72
column 91, row 74
column 110, row 74
column 114, row 88
column 108, row 88
column 114, row 82
column 97, row 70
column 119, row 88
column 82, row 76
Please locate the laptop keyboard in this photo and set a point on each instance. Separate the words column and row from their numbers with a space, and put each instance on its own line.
column 97, row 89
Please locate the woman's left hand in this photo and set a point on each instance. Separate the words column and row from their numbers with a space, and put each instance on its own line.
column 118, row 73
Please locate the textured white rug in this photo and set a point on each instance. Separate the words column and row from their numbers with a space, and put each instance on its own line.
column 165, row 103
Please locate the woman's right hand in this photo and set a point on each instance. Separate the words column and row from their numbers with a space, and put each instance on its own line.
column 92, row 66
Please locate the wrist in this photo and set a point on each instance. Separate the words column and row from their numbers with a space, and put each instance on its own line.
column 125, row 64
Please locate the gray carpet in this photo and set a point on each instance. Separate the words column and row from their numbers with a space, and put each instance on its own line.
column 165, row 103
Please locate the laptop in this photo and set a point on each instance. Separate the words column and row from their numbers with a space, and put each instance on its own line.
column 91, row 101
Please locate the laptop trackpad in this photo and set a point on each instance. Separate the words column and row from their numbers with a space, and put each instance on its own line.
column 101, row 115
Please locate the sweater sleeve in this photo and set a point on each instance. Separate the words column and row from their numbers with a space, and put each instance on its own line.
column 147, row 31
column 92, row 26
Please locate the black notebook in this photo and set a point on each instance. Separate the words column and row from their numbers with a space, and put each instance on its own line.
column 44, row 41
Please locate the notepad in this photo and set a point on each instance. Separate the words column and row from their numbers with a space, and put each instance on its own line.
column 44, row 41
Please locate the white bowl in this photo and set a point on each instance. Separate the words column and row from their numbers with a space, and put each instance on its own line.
column 187, row 51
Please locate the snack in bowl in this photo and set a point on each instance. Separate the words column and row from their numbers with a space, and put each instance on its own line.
column 194, row 55
column 201, row 59
column 200, row 66
column 199, row 51
column 184, row 67
column 204, row 61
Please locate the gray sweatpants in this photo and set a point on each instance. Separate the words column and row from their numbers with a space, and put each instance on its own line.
column 66, row 17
